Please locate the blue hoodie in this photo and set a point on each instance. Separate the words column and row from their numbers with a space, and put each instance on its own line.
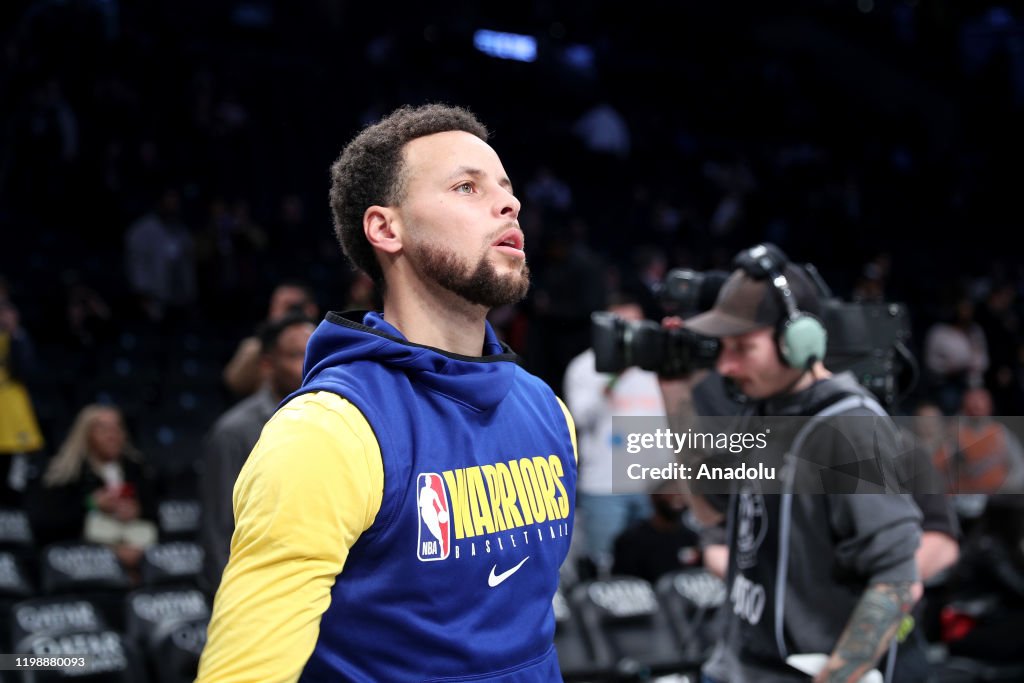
column 454, row 579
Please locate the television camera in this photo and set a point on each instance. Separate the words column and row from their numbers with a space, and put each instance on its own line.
column 867, row 339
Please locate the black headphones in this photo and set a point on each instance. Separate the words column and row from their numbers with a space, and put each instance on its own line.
column 800, row 338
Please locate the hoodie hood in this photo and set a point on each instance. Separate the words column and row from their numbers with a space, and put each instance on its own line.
column 816, row 397
column 359, row 336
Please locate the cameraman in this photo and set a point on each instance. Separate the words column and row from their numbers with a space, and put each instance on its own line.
column 830, row 573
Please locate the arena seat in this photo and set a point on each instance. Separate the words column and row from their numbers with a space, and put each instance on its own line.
column 178, row 519
column 625, row 625
column 692, row 597
column 15, row 586
column 147, row 609
column 55, row 616
column 112, row 659
column 176, row 648
column 575, row 657
column 88, row 571
column 78, row 567
column 172, row 562
column 14, row 580
column 15, row 530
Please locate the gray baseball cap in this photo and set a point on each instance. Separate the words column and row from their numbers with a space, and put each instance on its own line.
column 745, row 304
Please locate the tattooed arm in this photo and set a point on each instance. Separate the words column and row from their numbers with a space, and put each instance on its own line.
column 869, row 631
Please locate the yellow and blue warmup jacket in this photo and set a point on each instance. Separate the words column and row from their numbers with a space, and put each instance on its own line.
column 403, row 517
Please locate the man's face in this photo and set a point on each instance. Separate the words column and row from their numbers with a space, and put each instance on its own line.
column 751, row 361
column 286, row 299
column 285, row 360
column 460, row 220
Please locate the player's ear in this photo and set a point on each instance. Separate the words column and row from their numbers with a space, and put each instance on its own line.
column 383, row 229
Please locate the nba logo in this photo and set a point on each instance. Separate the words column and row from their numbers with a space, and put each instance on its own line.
column 434, row 541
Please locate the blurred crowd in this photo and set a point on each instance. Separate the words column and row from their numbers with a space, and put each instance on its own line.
column 163, row 204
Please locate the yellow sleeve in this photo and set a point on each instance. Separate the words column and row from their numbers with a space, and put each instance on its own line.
column 311, row 486
column 572, row 428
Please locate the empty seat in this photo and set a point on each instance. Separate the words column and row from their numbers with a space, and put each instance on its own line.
column 15, row 586
column 178, row 519
column 148, row 609
column 625, row 624
column 111, row 659
column 14, row 581
column 15, row 530
column 173, row 562
column 89, row 571
column 78, row 567
column 575, row 657
column 692, row 597
column 55, row 616
column 177, row 647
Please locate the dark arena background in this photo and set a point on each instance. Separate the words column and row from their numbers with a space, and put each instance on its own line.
column 879, row 140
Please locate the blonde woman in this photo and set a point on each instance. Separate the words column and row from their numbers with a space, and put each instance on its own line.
column 95, row 488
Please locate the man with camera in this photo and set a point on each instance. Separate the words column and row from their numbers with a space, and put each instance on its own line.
column 593, row 398
column 830, row 574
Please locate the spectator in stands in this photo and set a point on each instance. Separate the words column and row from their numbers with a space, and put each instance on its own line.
column 232, row 246
column 1000, row 321
column 987, row 457
column 160, row 259
column 870, row 287
column 546, row 189
column 956, row 356
column 593, row 397
column 666, row 541
column 646, row 277
column 242, row 374
column 20, row 435
column 362, row 294
column 90, row 320
column 563, row 298
column 929, row 426
column 282, row 352
column 604, row 130
column 96, row 488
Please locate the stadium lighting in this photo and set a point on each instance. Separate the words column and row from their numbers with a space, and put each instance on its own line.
column 502, row 45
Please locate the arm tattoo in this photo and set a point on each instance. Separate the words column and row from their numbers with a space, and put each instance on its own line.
column 870, row 629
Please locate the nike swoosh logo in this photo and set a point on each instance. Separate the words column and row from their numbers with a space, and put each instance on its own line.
column 495, row 579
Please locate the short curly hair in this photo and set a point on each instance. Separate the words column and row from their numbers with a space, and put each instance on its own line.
column 369, row 171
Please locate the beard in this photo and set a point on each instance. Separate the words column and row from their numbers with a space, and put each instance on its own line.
column 480, row 285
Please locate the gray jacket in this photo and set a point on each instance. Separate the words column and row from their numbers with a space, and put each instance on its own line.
column 799, row 562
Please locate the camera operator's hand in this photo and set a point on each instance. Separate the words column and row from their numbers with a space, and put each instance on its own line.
column 677, row 390
column 677, row 393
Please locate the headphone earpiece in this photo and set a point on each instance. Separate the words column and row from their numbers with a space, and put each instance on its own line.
column 801, row 341
column 800, row 338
